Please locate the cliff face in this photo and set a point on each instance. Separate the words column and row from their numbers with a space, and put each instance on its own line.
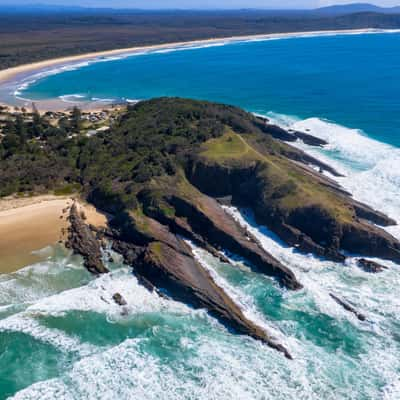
column 305, row 209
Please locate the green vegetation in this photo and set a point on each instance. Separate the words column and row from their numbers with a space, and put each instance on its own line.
column 285, row 187
column 149, row 148
column 37, row 155
column 151, row 139
column 67, row 189
column 230, row 146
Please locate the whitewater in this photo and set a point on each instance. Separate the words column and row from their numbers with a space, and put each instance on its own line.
column 62, row 336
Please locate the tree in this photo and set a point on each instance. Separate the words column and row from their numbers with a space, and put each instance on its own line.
column 76, row 119
column 11, row 143
column 37, row 126
column 9, row 128
column 20, row 129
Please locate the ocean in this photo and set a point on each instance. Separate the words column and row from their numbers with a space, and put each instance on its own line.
column 61, row 335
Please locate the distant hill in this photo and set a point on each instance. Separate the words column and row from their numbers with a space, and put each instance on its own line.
column 331, row 11
column 355, row 8
column 35, row 33
column 38, row 8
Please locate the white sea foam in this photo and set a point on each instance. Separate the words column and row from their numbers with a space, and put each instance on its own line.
column 40, row 280
column 72, row 98
column 369, row 166
column 217, row 368
column 126, row 372
column 97, row 296
column 103, row 100
column 245, row 302
column 27, row 323
column 220, row 366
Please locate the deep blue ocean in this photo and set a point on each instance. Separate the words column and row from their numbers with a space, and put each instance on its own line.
column 62, row 336
column 352, row 80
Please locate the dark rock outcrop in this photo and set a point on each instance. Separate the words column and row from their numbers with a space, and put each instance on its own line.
column 289, row 135
column 302, row 157
column 370, row 241
column 278, row 133
column 186, row 280
column 312, row 228
column 348, row 307
column 368, row 213
column 201, row 219
column 117, row 297
column 208, row 218
column 370, row 266
column 309, row 139
column 83, row 241
column 166, row 264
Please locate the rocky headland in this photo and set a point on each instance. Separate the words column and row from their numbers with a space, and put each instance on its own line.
column 164, row 170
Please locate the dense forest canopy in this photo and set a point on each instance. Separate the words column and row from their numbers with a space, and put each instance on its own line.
column 151, row 139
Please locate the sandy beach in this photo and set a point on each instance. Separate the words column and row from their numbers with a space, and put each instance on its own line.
column 30, row 224
column 16, row 73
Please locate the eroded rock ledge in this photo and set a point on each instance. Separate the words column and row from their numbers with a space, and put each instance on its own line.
column 325, row 228
column 82, row 240
column 163, row 262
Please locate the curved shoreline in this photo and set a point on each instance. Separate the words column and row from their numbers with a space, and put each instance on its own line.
column 11, row 75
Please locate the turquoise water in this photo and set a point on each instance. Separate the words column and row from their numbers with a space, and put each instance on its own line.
column 61, row 335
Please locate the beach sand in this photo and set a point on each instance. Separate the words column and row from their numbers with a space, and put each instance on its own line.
column 23, row 71
column 31, row 224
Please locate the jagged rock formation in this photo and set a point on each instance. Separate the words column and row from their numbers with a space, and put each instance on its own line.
column 165, row 263
column 348, row 307
column 370, row 266
column 119, row 299
column 304, row 208
column 83, row 241
column 169, row 164
column 201, row 218
column 288, row 135
column 176, row 270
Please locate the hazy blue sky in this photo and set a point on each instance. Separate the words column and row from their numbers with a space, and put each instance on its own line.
column 201, row 3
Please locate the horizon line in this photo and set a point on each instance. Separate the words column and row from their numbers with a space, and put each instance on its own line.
column 89, row 7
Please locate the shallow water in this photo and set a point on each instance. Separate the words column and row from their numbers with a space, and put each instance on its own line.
column 62, row 336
